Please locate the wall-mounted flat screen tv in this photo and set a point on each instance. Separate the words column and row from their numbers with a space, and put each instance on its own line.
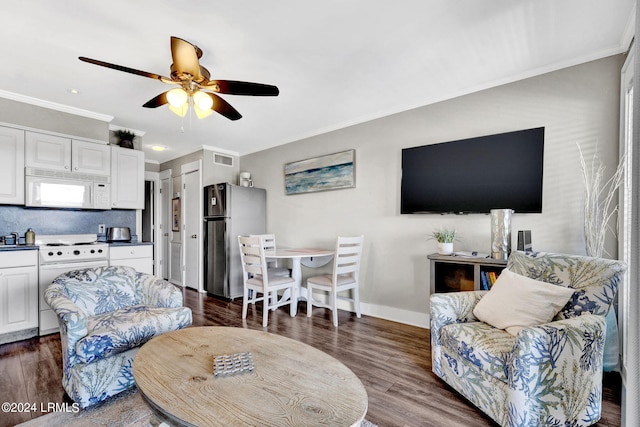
column 475, row 175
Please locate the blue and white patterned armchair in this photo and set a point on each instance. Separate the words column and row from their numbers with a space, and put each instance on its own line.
column 546, row 375
column 105, row 314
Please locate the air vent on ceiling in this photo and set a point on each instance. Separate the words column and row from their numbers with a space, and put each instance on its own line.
column 221, row 159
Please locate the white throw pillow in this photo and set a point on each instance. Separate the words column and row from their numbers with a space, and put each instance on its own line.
column 516, row 301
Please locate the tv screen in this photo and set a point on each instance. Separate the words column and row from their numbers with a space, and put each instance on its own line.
column 475, row 175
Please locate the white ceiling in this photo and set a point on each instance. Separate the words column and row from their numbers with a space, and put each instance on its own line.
column 336, row 62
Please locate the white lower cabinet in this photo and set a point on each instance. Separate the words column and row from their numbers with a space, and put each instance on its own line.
column 18, row 293
column 139, row 257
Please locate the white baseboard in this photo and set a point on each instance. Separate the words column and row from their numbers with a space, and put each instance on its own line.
column 399, row 315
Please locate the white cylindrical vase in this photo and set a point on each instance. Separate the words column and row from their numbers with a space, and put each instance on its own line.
column 445, row 248
column 501, row 233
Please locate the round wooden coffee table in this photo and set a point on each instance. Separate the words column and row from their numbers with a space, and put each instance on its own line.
column 292, row 384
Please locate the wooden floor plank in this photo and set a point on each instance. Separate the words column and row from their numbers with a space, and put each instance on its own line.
column 12, row 387
column 392, row 360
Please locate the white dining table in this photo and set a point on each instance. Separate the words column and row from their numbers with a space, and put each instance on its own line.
column 312, row 257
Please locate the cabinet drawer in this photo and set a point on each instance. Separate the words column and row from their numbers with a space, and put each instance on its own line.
column 21, row 258
column 126, row 252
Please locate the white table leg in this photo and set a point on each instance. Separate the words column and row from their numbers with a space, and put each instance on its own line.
column 296, row 274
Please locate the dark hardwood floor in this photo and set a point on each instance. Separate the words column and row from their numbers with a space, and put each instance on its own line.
column 393, row 361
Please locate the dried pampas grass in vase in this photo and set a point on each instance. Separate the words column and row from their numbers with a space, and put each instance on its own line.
column 600, row 202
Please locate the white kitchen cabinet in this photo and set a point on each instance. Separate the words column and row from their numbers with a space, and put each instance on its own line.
column 139, row 257
column 90, row 157
column 47, row 151
column 63, row 154
column 18, row 293
column 127, row 178
column 12, row 170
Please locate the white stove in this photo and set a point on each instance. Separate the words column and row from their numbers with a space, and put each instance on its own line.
column 60, row 253
column 70, row 248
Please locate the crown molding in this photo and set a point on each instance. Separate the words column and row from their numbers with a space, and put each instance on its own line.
column 113, row 127
column 55, row 106
column 629, row 30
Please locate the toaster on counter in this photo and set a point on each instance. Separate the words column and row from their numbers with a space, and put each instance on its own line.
column 118, row 234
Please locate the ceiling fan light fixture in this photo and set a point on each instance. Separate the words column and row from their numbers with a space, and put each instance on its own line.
column 202, row 100
column 200, row 112
column 181, row 111
column 192, row 78
column 177, row 98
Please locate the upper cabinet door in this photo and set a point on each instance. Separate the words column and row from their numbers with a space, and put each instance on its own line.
column 92, row 158
column 12, row 170
column 127, row 178
column 47, row 151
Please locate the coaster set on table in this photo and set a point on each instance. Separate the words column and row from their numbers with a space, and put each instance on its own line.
column 237, row 363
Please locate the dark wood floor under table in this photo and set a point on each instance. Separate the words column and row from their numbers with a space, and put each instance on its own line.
column 393, row 361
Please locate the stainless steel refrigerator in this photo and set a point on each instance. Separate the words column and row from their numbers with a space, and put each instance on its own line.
column 229, row 210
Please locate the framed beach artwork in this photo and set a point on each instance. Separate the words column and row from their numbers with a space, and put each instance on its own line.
column 330, row 172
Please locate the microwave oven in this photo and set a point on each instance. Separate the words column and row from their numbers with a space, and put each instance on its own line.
column 53, row 189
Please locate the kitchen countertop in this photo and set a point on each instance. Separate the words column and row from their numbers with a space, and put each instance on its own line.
column 7, row 248
column 130, row 243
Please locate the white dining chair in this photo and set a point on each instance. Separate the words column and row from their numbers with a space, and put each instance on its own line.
column 345, row 277
column 270, row 245
column 272, row 265
column 257, row 280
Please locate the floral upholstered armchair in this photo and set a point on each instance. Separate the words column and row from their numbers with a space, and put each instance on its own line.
column 105, row 314
column 548, row 374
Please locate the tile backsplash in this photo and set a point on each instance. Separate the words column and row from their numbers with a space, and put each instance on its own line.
column 62, row 221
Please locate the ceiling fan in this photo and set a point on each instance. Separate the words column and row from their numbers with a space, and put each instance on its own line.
column 194, row 86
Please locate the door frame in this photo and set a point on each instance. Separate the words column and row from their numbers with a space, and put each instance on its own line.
column 164, row 238
column 157, row 221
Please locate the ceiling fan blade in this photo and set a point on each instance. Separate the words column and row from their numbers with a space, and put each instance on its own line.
column 126, row 69
column 158, row 101
column 233, row 87
column 185, row 58
column 223, row 107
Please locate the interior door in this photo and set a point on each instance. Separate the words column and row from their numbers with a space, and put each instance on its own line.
column 192, row 225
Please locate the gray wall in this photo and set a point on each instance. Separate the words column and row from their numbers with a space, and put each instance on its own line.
column 577, row 105
column 32, row 116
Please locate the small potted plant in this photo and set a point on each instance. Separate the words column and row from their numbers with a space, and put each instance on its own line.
column 125, row 137
column 445, row 238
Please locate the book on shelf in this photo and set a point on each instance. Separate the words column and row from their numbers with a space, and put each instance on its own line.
column 484, row 284
column 493, row 276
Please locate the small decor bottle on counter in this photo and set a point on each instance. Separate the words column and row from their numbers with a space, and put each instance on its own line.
column 30, row 237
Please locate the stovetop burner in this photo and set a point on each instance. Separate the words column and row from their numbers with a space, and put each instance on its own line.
column 66, row 239
column 71, row 248
column 70, row 244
